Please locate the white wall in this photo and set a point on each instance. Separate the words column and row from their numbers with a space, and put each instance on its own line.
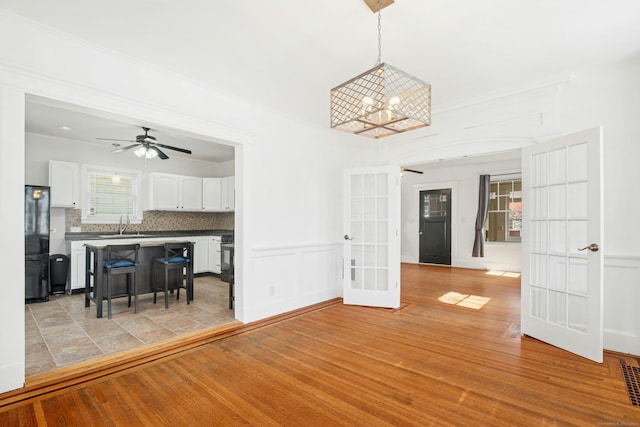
column 463, row 180
column 12, row 342
column 288, row 174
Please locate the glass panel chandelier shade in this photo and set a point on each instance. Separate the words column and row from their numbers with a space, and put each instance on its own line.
column 381, row 102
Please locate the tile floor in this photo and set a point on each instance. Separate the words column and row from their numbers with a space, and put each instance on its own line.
column 62, row 331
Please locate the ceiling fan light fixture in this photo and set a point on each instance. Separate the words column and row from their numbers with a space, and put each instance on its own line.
column 381, row 101
column 145, row 152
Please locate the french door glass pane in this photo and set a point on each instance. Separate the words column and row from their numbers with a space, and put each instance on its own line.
column 539, row 236
column 356, row 186
column 369, row 208
column 578, row 276
column 578, row 162
column 369, row 185
column 383, row 232
column 383, row 184
column 383, row 279
column 557, row 308
column 539, row 303
column 539, row 270
column 369, row 232
column 383, row 256
column 370, row 279
column 539, row 169
column 577, row 237
column 557, row 166
column 383, row 208
column 557, row 237
column 578, row 313
column 557, row 201
column 557, row 273
column 578, row 200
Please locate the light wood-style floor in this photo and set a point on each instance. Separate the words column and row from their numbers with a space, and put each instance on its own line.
column 443, row 359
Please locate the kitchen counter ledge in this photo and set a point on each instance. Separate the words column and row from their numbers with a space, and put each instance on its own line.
column 143, row 234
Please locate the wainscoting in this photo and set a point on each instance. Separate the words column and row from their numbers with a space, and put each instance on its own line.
column 286, row 278
column 622, row 303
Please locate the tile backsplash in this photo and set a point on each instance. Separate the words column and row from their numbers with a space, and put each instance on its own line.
column 158, row 221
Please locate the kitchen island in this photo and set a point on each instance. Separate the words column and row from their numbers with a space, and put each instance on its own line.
column 206, row 252
column 149, row 251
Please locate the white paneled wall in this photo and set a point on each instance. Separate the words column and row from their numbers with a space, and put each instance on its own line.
column 290, row 275
column 622, row 303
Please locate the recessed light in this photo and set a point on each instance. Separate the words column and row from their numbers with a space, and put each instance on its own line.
column 63, row 127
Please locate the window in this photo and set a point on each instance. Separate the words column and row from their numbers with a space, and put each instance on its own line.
column 106, row 201
column 505, row 211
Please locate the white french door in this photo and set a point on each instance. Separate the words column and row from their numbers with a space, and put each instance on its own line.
column 561, row 243
column 372, row 236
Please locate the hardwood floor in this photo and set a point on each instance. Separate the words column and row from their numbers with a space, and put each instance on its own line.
column 433, row 362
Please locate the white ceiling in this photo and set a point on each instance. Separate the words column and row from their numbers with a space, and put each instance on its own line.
column 288, row 54
column 45, row 116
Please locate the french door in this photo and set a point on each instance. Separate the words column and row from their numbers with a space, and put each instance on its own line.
column 561, row 243
column 371, row 274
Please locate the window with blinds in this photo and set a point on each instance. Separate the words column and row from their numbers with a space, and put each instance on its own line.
column 107, row 198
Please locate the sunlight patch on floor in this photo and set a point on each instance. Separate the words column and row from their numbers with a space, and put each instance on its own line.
column 502, row 273
column 470, row 301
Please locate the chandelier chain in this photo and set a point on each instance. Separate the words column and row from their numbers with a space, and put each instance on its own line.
column 379, row 33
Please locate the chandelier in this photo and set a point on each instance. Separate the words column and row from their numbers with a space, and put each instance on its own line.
column 381, row 101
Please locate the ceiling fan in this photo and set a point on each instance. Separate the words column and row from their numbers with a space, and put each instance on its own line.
column 147, row 146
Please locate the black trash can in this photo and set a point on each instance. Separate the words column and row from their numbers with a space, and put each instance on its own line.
column 58, row 273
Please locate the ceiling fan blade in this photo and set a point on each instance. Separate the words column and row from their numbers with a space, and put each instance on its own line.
column 182, row 150
column 157, row 150
column 412, row 170
column 128, row 147
column 111, row 139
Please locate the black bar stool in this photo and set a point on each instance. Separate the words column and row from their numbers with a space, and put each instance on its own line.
column 121, row 259
column 176, row 257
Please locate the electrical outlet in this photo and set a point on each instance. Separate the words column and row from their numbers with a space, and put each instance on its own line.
column 272, row 291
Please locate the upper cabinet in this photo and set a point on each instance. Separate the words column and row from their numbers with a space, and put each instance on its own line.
column 175, row 192
column 64, row 181
column 211, row 200
column 165, row 192
column 188, row 193
column 228, row 193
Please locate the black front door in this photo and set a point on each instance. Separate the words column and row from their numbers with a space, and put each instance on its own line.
column 435, row 226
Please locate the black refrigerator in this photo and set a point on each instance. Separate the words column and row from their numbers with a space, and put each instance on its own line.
column 36, row 243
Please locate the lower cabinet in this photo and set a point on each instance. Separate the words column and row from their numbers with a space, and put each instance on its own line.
column 214, row 254
column 201, row 254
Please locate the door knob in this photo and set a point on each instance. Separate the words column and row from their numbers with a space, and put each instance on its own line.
column 592, row 247
column 346, row 237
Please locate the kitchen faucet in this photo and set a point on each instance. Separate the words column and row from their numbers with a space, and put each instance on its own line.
column 121, row 226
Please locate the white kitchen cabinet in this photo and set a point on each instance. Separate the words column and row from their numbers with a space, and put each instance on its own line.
column 190, row 193
column 64, row 182
column 175, row 192
column 228, row 193
column 165, row 191
column 214, row 254
column 200, row 254
column 78, row 267
column 211, row 194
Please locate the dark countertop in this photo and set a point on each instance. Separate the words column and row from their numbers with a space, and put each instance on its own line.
column 145, row 234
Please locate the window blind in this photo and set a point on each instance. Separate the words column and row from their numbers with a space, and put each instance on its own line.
column 107, row 198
